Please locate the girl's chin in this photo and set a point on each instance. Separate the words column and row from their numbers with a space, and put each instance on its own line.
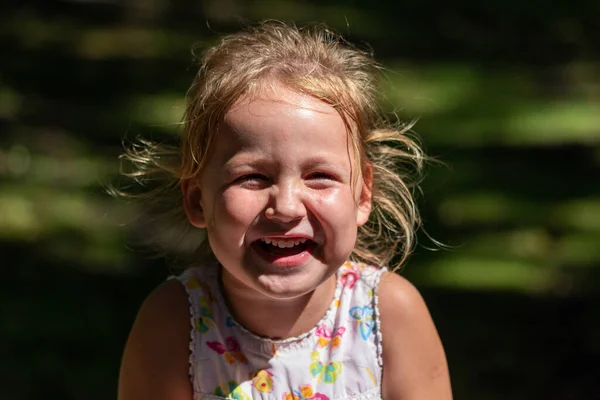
column 294, row 285
column 282, row 288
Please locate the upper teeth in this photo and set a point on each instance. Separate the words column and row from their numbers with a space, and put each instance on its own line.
column 283, row 243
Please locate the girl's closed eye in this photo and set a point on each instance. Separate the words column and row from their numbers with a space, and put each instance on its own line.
column 322, row 175
column 252, row 181
column 322, row 178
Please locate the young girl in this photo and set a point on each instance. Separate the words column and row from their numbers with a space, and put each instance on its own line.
column 300, row 186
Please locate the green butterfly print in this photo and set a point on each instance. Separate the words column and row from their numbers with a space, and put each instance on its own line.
column 231, row 390
column 327, row 373
column 205, row 321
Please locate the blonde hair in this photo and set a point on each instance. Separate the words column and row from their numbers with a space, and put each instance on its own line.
column 313, row 61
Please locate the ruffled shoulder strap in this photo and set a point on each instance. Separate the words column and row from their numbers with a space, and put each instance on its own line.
column 201, row 285
column 360, row 299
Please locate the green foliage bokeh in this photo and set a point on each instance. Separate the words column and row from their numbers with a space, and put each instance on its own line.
column 507, row 95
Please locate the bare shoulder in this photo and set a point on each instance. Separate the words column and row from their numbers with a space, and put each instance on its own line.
column 414, row 363
column 396, row 290
column 155, row 362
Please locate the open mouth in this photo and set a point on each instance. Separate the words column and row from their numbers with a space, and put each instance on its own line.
column 283, row 247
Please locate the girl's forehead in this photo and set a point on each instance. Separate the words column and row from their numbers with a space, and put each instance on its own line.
column 285, row 96
column 285, row 111
column 275, row 114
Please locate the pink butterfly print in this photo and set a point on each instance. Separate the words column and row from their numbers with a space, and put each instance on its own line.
column 231, row 350
column 349, row 276
column 327, row 335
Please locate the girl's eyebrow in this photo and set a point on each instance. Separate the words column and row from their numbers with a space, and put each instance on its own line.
column 250, row 160
column 243, row 159
column 322, row 161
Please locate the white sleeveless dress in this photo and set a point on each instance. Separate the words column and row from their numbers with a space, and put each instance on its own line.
column 340, row 358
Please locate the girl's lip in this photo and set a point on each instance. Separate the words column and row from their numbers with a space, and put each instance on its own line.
column 284, row 260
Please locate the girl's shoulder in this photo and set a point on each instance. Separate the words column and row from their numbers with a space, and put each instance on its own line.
column 401, row 307
column 156, row 353
column 397, row 291
column 412, row 350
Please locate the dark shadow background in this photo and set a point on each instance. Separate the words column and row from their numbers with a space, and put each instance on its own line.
column 507, row 94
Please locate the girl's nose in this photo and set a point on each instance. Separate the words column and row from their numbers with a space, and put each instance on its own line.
column 286, row 204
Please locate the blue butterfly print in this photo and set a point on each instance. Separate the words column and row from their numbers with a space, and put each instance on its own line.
column 364, row 318
column 229, row 322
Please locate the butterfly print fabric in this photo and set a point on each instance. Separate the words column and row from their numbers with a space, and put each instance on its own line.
column 340, row 358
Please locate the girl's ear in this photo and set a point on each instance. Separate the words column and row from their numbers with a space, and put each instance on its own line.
column 192, row 202
column 366, row 197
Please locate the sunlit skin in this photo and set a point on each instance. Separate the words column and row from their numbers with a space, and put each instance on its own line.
column 281, row 168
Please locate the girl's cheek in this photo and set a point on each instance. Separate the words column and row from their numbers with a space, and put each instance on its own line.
column 332, row 209
column 242, row 204
column 329, row 198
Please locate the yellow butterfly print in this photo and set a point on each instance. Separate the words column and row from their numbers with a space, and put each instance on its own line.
column 194, row 283
column 326, row 373
column 291, row 396
column 305, row 393
column 327, row 335
column 205, row 321
column 263, row 381
column 371, row 375
column 208, row 292
column 230, row 351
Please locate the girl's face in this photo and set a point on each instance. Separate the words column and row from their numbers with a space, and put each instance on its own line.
column 277, row 196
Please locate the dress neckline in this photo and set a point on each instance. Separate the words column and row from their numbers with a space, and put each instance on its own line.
column 224, row 304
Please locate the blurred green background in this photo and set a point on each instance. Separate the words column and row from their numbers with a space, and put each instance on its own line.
column 507, row 94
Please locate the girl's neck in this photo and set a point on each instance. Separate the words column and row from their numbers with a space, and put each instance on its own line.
column 278, row 319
